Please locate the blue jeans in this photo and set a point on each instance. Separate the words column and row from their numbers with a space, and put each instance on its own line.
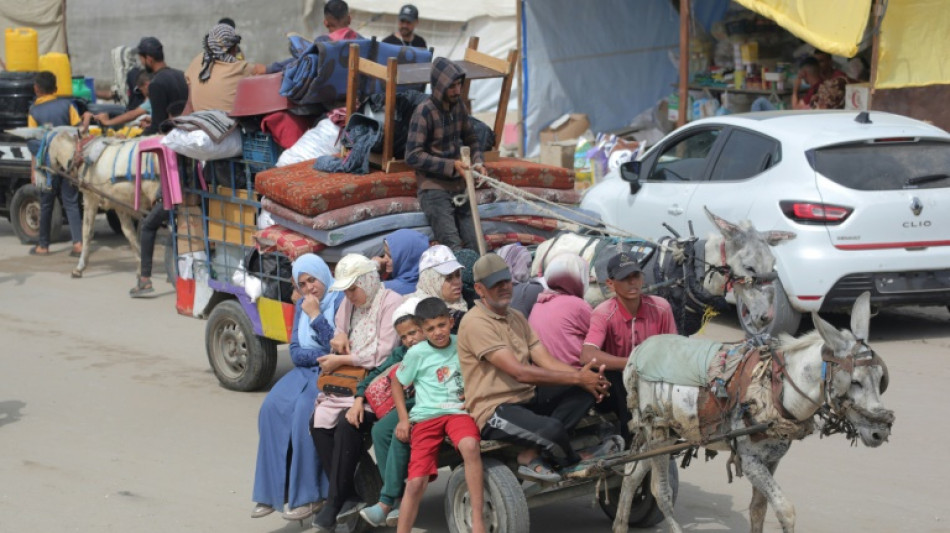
column 69, row 195
column 763, row 104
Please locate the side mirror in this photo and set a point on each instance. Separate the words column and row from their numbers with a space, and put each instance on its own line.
column 630, row 172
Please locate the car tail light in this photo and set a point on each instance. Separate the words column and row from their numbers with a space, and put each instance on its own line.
column 814, row 212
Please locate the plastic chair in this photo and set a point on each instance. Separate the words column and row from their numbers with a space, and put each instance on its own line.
column 168, row 170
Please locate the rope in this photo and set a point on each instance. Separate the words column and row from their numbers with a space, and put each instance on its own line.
column 597, row 225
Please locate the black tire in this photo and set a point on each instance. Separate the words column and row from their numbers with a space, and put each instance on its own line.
column 784, row 318
column 241, row 360
column 368, row 486
column 506, row 509
column 644, row 511
column 25, row 215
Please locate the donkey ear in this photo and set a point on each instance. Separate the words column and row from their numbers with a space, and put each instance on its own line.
column 727, row 228
column 835, row 340
column 861, row 316
column 776, row 237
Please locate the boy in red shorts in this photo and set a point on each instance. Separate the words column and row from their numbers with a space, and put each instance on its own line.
column 433, row 368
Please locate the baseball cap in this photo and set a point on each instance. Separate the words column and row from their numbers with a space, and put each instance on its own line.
column 349, row 269
column 409, row 12
column 490, row 269
column 441, row 258
column 622, row 265
column 149, row 46
column 406, row 308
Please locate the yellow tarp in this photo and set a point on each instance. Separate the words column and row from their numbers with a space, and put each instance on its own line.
column 914, row 49
column 833, row 26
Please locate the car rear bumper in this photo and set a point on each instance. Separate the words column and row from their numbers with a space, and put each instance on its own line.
column 920, row 287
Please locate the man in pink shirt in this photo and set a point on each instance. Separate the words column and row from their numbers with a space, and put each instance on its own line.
column 619, row 325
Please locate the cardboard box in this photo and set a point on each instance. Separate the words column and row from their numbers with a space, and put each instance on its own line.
column 189, row 229
column 232, row 220
column 566, row 128
column 856, row 96
column 558, row 154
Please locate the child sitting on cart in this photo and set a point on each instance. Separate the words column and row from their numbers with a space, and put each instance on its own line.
column 432, row 367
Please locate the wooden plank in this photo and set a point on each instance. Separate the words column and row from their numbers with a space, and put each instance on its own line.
column 503, row 98
column 480, row 58
column 352, row 80
column 414, row 73
column 389, row 128
column 472, row 45
column 491, row 156
column 684, row 62
column 371, row 69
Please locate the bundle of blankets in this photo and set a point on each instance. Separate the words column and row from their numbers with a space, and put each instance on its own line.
column 336, row 214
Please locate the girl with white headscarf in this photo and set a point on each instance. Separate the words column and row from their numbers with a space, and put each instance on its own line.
column 285, row 414
column 561, row 316
column 365, row 337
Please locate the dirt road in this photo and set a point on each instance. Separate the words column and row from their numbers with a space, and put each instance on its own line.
column 111, row 420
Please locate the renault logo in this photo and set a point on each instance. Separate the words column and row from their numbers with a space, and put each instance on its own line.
column 916, row 206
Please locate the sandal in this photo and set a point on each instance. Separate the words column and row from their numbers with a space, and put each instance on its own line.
column 141, row 289
column 539, row 470
column 34, row 251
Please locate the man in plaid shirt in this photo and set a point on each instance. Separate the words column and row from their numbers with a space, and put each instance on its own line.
column 437, row 131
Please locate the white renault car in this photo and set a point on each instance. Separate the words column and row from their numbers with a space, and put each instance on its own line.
column 868, row 195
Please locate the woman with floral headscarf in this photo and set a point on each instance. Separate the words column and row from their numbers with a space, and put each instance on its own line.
column 214, row 74
column 285, row 413
column 440, row 276
column 365, row 337
column 561, row 316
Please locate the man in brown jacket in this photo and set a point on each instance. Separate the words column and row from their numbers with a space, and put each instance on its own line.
column 438, row 129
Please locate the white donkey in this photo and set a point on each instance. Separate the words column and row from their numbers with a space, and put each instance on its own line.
column 103, row 183
column 737, row 256
column 828, row 372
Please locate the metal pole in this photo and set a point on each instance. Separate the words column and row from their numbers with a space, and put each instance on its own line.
column 472, row 199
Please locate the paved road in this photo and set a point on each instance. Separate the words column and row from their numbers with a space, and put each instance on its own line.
column 111, row 420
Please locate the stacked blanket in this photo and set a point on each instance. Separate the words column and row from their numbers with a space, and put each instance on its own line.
column 335, row 214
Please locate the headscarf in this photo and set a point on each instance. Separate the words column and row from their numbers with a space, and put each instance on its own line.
column 519, row 261
column 316, row 267
column 430, row 286
column 363, row 322
column 568, row 274
column 467, row 259
column 217, row 45
column 405, row 248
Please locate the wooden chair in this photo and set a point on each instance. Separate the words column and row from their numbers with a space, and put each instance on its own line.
column 477, row 66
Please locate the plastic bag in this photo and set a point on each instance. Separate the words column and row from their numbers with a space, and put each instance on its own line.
column 319, row 140
column 198, row 145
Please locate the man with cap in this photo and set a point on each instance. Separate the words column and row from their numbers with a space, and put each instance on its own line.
column 620, row 324
column 514, row 388
column 168, row 85
column 405, row 34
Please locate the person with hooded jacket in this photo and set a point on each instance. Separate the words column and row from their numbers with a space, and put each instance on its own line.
column 437, row 131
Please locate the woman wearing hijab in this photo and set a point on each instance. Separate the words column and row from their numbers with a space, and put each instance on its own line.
column 285, row 414
column 525, row 291
column 440, row 276
column 561, row 316
column 401, row 251
column 214, row 74
column 364, row 337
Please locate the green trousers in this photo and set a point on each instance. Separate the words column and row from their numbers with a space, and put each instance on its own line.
column 392, row 458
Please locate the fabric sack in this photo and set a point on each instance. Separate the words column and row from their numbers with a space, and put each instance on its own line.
column 342, row 381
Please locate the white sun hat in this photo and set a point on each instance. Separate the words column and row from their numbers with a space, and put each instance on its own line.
column 349, row 269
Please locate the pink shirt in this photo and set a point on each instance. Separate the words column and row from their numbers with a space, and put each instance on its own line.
column 615, row 331
column 561, row 322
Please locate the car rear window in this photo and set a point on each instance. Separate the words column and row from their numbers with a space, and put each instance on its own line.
column 885, row 166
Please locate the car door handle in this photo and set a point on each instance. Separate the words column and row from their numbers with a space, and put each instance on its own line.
column 675, row 210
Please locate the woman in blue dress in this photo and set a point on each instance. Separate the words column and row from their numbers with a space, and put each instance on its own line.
column 284, row 421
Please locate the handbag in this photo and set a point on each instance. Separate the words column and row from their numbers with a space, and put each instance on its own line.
column 342, row 381
column 379, row 393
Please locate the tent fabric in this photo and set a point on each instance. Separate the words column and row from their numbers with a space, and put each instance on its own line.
column 835, row 27
column 44, row 16
column 908, row 56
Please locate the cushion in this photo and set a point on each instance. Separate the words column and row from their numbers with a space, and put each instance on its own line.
column 541, row 223
column 527, row 174
column 290, row 243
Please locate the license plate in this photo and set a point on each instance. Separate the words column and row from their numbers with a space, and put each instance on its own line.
column 896, row 282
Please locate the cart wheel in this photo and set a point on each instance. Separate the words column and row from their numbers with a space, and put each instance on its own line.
column 644, row 511
column 25, row 215
column 506, row 509
column 241, row 360
column 368, row 486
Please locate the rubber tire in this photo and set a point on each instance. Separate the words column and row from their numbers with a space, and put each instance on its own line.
column 644, row 511
column 25, row 215
column 241, row 360
column 785, row 319
column 504, row 498
column 368, row 484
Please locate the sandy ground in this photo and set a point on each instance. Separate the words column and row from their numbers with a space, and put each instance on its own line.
column 111, row 420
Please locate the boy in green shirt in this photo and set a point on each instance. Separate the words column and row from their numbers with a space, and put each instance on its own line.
column 432, row 367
